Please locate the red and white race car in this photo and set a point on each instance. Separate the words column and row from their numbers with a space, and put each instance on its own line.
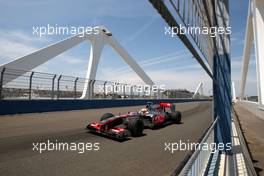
column 133, row 123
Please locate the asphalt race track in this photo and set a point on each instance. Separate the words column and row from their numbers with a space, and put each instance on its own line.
column 143, row 155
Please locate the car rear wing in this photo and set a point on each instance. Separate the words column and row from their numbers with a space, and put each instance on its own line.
column 166, row 105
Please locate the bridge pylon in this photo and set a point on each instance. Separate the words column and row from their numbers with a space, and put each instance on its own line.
column 98, row 41
column 254, row 35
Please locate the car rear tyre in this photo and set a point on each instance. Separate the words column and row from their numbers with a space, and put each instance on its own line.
column 176, row 116
column 106, row 116
column 136, row 127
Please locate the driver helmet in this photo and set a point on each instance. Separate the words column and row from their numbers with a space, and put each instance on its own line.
column 144, row 110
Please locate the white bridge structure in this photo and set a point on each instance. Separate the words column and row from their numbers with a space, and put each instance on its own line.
column 254, row 35
column 98, row 41
column 199, row 91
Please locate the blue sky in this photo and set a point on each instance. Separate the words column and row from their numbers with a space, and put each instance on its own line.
column 135, row 24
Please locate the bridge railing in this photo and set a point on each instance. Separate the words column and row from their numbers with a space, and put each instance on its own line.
column 39, row 85
column 198, row 162
column 206, row 162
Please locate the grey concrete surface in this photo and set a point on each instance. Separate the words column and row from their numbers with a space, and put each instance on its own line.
column 143, row 155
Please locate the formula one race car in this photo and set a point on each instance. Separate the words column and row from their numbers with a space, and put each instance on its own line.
column 133, row 123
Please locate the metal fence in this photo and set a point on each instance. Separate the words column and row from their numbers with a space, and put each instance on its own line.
column 188, row 19
column 198, row 162
column 38, row 85
column 192, row 14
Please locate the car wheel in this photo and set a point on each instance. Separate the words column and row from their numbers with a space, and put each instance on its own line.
column 136, row 127
column 106, row 116
column 176, row 116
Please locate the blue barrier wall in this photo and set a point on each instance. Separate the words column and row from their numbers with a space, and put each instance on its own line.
column 32, row 106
